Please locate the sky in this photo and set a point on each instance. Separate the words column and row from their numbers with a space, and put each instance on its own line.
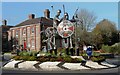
column 17, row 12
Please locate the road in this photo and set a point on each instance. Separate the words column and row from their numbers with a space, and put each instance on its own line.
column 113, row 71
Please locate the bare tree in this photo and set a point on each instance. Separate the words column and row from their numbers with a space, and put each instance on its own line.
column 86, row 19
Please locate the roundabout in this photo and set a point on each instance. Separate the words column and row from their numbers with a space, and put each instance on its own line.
column 57, row 66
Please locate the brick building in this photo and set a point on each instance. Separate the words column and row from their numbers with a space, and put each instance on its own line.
column 27, row 33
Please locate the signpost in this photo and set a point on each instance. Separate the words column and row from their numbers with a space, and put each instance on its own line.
column 89, row 52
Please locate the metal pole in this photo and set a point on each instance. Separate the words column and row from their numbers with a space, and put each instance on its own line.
column 75, row 39
column 53, row 29
column 63, row 8
column 71, row 43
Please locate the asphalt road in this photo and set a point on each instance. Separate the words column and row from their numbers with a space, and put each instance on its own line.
column 113, row 71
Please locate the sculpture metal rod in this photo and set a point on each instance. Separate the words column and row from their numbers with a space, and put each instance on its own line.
column 71, row 43
column 53, row 30
column 63, row 8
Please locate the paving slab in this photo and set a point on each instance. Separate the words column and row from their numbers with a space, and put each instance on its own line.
column 27, row 65
column 11, row 64
column 107, row 64
column 74, row 66
column 94, row 65
column 50, row 66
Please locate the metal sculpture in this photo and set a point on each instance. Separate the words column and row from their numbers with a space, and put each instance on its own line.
column 63, row 27
column 49, row 34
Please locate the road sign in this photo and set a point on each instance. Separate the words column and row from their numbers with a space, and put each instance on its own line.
column 89, row 51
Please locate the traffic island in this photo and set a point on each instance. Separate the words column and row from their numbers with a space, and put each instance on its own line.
column 57, row 65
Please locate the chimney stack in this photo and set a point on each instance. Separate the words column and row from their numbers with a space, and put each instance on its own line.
column 46, row 13
column 31, row 16
column 4, row 22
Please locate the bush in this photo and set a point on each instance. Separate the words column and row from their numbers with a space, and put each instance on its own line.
column 25, row 58
column 32, row 58
column 97, row 58
column 16, row 57
column 48, row 54
column 106, row 48
column 24, row 53
column 34, row 53
column 76, row 60
column 112, row 49
column 53, row 59
column 67, row 59
column 43, row 59
column 84, row 54
column 59, row 59
column 59, row 49
column 95, row 53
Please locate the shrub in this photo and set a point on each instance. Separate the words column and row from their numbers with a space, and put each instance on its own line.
column 34, row 53
column 43, row 59
column 16, row 57
column 24, row 53
column 48, row 54
column 98, row 58
column 52, row 59
column 67, row 59
column 106, row 48
column 59, row 49
column 13, row 57
column 59, row 59
column 95, row 53
column 25, row 58
column 112, row 49
column 76, row 60
column 32, row 58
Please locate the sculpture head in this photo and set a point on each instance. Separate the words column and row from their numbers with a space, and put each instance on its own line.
column 58, row 12
column 66, row 16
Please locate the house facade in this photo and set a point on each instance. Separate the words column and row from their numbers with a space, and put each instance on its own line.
column 27, row 34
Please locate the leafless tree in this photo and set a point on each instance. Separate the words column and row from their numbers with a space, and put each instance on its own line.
column 86, row 19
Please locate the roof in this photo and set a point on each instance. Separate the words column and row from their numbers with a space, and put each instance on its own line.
column 5, row 27
column 43, row 20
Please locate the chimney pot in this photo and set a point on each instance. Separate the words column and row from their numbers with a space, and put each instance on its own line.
column 4, row 22
column 31, row 16
column 46, row 13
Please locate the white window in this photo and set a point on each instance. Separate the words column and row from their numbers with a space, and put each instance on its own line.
column 28, row 45
column 17, row 32
column 32, row 30
column 24, row 31
column 33, row 43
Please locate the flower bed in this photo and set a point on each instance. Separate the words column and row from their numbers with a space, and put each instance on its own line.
column 26, row 58
column 97, row 58
column 48, row 58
